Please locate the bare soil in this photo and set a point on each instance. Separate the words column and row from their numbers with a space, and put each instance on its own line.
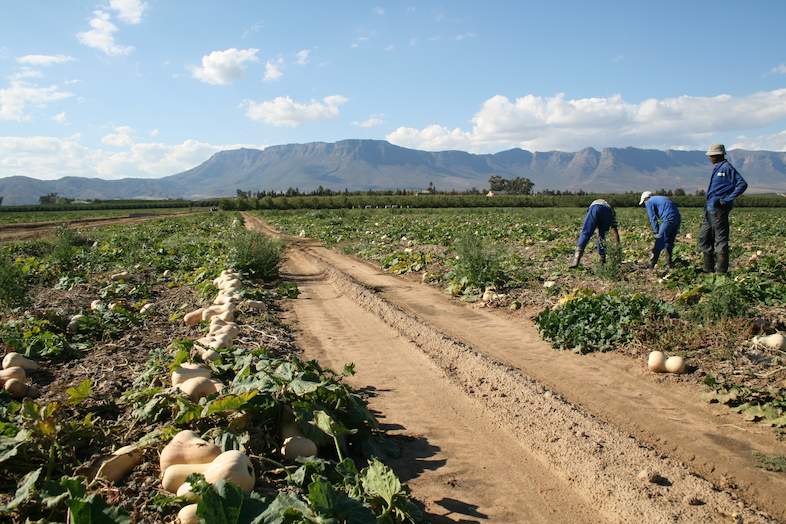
column 526, row 433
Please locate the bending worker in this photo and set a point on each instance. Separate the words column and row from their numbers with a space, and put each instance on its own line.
column 600, row 216
column 726, row 184
column 665, row 220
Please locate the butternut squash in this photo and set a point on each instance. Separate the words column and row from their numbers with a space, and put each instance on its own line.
column 95, row 304
column 16, row 372
column 188, row 514
column 16, row 360
column 184, row 491
column 120, row 463
column 209, row 355
column 254, row 305
column 73, row 323
column 193, row 318
column 675, row 365
column 199, row 387
column 775, row 341
column 176, row 474
column 656, row 361
column 188, row 370
column 16, row 388
column 233, row 466
column 187, row 448
column 147, row 308
column 119, row 276
column 296, row 447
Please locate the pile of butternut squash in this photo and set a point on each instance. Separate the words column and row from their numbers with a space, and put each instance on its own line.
column 14, row 374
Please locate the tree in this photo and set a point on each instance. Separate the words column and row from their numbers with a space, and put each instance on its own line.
column 516, row 186
column 1, row 200
column 49, row 198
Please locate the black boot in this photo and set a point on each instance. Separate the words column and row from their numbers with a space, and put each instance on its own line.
column 653, row 259
column 576, row 258
column 668, row 260
column 722, row 264
column 709, row 263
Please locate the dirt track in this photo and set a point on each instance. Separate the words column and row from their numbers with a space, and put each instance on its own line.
column 26, row 231
column 498, row 425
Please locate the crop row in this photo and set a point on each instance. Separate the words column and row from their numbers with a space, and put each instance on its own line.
column 134, row 380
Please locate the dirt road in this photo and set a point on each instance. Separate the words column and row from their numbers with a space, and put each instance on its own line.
column 512, row 430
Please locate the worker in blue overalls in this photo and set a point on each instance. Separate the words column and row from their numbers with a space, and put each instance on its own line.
column 726, row 184
column 665, row 221
column 601, row 217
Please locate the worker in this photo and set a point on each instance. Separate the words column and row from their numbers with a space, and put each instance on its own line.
column 726, row 184
column 601, row 217
column 665, row 221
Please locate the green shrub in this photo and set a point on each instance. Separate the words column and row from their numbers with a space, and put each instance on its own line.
column 725, row 298
column 256, row 254
column 479, row 263
column 598, row 322
column 13, row 288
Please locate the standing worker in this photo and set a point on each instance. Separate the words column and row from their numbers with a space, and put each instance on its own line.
column 600, row 216
column 665, row 220
column 726, row 184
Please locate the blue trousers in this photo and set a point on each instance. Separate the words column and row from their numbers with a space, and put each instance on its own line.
column 598, row 217
column 666, row 236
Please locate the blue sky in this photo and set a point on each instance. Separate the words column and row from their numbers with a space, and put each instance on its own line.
column 147, row 88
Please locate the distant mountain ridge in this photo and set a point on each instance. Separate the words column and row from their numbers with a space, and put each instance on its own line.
column 360, row 165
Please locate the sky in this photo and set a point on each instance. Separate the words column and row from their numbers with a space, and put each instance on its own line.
column 150, row 88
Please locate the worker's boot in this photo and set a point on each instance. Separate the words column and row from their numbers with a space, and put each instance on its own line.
column 709, row 263
column 653, row 259
column 602, row 258
column 722, row 264
column 668, row 260
column 576, row 258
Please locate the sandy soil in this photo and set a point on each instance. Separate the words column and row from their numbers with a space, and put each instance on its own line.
column 526, row 434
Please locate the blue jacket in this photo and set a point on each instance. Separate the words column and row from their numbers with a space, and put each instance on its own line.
column 661, row 207
column 726, row 184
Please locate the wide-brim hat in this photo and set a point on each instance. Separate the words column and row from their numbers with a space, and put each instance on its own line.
column 716, row 150
column 644, row 196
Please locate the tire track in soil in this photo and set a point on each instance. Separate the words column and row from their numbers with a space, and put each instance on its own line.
column 457, row 462
column 601, row 460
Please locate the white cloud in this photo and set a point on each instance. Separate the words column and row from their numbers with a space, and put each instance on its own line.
column 101, row 36
column 303, row 56
column 283, row 111
column 44, row 60
column 779, row 69
column 377, row 119
column 465, row 36
column 60, row 118
column 273, row 70
column 154, row 133
column 129, row 11
column 122, row 136
column 770, row 142
column 19, row 95
column 26, row 72
column 555, row 122
column 223, row 67
column 379, row 11
column 255, row 28
column 47, row 157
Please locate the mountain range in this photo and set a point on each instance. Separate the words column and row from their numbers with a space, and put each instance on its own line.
column 360, row 165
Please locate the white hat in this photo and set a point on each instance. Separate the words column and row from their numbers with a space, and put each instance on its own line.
column 644, row 196
column 716, row 150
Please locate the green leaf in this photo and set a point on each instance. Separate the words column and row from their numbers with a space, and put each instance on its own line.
column 225, row 503
column 80, row 393
column 325, row 500
column 379, row 481
column 284, row 509
column 25, row 490
column 93, row 510
column 227, row 403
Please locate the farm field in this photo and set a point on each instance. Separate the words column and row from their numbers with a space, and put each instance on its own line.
column 435, row 390
column 28, row 217
column 613, row 317
column 99, row 315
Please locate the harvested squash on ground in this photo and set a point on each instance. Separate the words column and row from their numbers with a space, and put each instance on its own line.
column 233, row 466
column 199, row 387
column 193, row 318
column 188, row 370
column 188, row 514
column 775, row 341
column 120, row 463
column 8, row 373
column 119, row 276
column 187, row 448
column 656, row 361
column 675, row 365
column 14, row 359
column 16, row 388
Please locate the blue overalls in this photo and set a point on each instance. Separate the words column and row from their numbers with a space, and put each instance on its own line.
column 600, row 216
column 665, row 220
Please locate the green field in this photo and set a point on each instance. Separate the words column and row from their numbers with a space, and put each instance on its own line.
column 523, row 255
column 23, row 217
